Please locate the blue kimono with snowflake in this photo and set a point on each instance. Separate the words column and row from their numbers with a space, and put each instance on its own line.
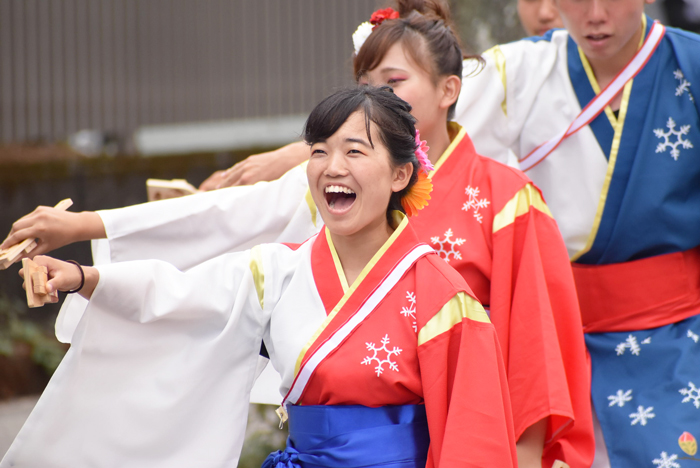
column 625, row 192
column 646, row 354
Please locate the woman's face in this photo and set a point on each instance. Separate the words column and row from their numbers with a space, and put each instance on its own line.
column 411, row 83
column 351, row 182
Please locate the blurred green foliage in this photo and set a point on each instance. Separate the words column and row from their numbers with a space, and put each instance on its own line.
column 15, row 327
column 263, row 436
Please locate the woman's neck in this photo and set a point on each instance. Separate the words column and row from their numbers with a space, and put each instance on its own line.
column 438, row 140
column 356, row 250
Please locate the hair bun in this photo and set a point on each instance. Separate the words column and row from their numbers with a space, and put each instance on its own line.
column 430, row 8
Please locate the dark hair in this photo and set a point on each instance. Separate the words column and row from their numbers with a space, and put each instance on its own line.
column 392, row 116
column 422, row 24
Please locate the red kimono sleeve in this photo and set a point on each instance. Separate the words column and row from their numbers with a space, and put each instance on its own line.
column 542, row 339
column 465, row 390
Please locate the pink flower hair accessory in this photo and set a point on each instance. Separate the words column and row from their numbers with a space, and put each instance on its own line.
column 422, row 153
column 416, row 198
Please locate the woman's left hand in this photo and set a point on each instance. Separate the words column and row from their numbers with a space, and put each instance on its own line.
column 64, row 276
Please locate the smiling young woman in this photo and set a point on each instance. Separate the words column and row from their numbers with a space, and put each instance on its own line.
column 624, row 191
column 488, row 221
column 160, row 368
column 355, row 183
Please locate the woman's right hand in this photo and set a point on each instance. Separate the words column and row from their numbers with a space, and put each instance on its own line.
column 259, row 167
column 53, row 228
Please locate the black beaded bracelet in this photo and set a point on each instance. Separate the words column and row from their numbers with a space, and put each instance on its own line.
column 82, row 277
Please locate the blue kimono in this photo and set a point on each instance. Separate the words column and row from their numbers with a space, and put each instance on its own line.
column 625, row 192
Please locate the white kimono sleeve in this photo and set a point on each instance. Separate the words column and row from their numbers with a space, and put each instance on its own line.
column 159, row 372
column 495, row 103
column 190, row 230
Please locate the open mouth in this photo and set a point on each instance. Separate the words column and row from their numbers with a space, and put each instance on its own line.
column 597, row 37
column 339, row 198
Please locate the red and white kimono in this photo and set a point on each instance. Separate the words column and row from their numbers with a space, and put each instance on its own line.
column 491, row 224
column 162, row 361
column 485, row 218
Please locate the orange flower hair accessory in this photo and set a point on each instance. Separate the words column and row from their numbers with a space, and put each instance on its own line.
column 418, row 195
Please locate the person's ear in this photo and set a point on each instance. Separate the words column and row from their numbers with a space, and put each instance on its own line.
column 451, row 86
column 402, row 176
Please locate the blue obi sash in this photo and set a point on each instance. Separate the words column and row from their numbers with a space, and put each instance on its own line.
column 354, row 436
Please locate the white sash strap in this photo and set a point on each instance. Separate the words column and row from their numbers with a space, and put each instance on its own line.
column 307, row 370
column 596, row 106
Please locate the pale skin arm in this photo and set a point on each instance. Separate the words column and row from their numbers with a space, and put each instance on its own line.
column 54, row 228
column 531, row 444
column 65, row 276
column 259, row 167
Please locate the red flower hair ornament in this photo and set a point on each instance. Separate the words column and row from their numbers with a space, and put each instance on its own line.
column 379, row 16
column 365, row 29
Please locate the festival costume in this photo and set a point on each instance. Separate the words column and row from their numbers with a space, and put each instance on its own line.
column 510, row 252
column 490, row 223
column 625, row 192
column 161, row 363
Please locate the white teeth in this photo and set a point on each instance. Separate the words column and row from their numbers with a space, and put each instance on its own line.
column 338, row 189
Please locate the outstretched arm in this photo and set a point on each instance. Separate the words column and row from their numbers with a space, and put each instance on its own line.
column 161, row 357
column 54, row 228
column 184, row 231
column 259, row 167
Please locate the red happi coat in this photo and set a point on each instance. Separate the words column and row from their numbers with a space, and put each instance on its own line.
column 490, row 223
column 428, row 341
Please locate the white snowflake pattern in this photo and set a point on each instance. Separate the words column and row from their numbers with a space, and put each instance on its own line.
column 664, row 145
column 448, row 246
column 474, row 203
column 410, row 311
column 642, row 415
column 620, row 398
column 683, row 85
column 647, row 340
column 631, row 344
column 693, row 336
column 380, row 362
column 691, row 393
column 666, row 462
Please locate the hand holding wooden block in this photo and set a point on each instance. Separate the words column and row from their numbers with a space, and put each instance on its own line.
column 35, row 279
column 159, row 189
column 11, row 254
